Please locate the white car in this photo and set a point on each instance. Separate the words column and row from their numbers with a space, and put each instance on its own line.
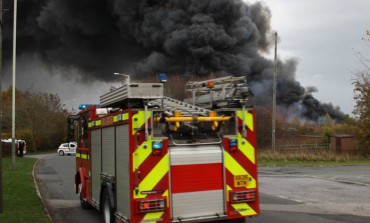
column 67, row 149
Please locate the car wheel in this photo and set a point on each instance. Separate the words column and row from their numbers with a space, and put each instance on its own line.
column 61, row 153
column 107, row 208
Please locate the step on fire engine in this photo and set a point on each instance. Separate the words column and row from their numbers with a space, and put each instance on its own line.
column 144, row 157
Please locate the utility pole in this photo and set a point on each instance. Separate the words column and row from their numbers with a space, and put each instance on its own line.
column 274, row 97
column 1, row 109
column 13, row 91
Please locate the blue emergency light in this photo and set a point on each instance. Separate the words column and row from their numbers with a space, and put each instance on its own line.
column 157, row 145
column 84, row 106
column 162, row 78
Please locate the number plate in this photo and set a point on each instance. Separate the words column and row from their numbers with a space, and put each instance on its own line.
column 241, row 180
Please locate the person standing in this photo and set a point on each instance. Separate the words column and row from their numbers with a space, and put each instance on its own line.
column 20, row 148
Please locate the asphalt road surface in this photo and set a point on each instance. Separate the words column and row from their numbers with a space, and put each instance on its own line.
column 335, row 194
column 55, row 178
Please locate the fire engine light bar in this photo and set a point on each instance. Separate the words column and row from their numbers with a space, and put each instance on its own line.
column 151, row 205
column 84, row 106
column 243, row 196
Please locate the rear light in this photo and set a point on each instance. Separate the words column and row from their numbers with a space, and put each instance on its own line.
column 151, row 205
column 157, row 148
column 233, row 145
column 243, row 196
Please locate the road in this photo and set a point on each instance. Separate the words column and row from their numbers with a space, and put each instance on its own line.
column 330, row 194
column 55, row 179
column 334, row 194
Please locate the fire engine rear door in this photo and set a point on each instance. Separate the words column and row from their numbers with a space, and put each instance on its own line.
column 196, row 181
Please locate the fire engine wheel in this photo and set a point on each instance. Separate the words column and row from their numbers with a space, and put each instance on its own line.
column 107, row 208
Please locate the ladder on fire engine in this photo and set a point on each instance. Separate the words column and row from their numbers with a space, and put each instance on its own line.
column 224, row 92
column 171, row 106
column 179, row 111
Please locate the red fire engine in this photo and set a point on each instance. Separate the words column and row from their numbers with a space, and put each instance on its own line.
column 144, row 157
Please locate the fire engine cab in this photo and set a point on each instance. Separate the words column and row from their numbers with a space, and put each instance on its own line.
column 144, row 157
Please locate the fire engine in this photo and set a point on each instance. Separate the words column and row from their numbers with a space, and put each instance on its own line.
column 144, row 157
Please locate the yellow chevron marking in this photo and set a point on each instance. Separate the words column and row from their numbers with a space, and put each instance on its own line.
column 153, row 178
column 248, row 119
column 142, row 153
column 165, row 194
column 236, row 169
column 152, row 217
column 244, row 209
column 139, row 120
column 246, row 148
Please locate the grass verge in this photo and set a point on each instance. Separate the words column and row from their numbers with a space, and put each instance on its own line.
column 287, row 158
column 20, row 200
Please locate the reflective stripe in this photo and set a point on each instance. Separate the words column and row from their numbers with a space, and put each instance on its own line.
column 246, row 148
column 82, row 156
column 117, row 118
column 120, row 117
column 125, row 117
column 236, row 169
column 94, row 123
column 153, row 178
column 244, row 209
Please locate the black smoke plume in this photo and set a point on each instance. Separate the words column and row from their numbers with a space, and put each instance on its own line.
column 92, row 39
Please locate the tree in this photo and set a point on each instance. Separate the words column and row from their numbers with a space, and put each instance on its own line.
column 41, row 119
column 361, row 83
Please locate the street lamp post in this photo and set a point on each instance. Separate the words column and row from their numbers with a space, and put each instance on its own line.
column 1, row 109
column 274, row 97
column 13, row 91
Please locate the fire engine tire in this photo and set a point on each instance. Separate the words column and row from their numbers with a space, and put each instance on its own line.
column 107, row 208
column 61, row 153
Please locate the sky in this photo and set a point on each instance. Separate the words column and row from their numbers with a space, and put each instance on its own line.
column 323, row 35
